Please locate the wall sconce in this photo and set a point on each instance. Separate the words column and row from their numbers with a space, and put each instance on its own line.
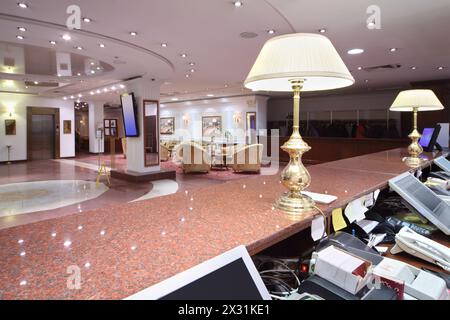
column 237, row 117
column 185, row 120
column 10, row 111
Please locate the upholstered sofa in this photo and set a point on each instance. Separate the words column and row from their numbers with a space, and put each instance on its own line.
column 193, row 157
column 248, row 158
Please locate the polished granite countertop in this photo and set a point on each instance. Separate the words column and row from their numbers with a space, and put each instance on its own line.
column 118, row 251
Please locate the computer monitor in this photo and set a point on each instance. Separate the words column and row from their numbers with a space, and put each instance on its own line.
column 229, row 276
column 443, row 163
column 429, row 136
column 425, row 201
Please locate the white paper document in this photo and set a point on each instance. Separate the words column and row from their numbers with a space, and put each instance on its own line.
column 355, row 210
column 318, row 228
column 367, row 225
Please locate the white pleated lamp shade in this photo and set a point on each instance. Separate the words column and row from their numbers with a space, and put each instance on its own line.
column 422, row 99
column 307, row 56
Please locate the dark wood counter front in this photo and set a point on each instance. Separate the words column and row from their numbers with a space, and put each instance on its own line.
column 143, row 243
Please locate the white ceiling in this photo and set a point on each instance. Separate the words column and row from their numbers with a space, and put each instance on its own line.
column 208, row 31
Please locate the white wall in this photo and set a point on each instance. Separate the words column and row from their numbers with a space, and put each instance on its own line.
column 18, row 103
column 229, row 109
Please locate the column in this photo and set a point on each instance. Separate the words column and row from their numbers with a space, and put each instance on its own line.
column 143, row 89
column 96, row 116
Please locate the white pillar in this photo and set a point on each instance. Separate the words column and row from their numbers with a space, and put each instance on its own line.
column 261, row 113
column 95, row 121
column 143, row 89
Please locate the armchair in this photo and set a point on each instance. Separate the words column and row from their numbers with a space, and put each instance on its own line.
column 194, row 158
column 248, row 158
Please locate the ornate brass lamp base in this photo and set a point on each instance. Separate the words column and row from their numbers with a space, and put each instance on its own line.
column 295, row 177
column 414, row 149
column 295, row 204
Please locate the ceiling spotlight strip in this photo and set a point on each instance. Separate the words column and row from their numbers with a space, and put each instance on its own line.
column 91, row 92
column 97, row 36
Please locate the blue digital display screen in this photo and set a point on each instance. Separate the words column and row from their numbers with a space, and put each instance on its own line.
column 129, row 116
column 426, row 137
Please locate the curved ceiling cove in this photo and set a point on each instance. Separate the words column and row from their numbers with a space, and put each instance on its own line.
column 29, row 60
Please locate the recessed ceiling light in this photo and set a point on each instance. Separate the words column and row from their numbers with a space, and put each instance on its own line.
column 183, row 55
column 371, row 25
column 440, row 68
column 187, row 76
column 98, row 68
column 238, row 4
column 393, row 49
column 133, row 33
column 85, row 19
column 226, row 86
column 359, row 68
column 21, row 29
column 98, row 91
column 174, row 99
column 163, row 45
column 78, row 74
column 52, row 42
column 66, row 37
column 192, row 70
column 101, row 45
column 366, row 81
column 23, row 5
column 121, row 86
column 413, row 68
column 210, row 95
column 36, row 82
column 271, row 31
column 113, row 88
column 355, row 51
column 92, row 71
column 79, row 48
column 192, row 63
column 105, row 90
column 64, row 98
column 19, row 37
column 72, row 97
column 80, row 95
column 322, row 30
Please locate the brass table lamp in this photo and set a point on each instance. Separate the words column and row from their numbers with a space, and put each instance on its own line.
column 297, row 62
column 415, row 101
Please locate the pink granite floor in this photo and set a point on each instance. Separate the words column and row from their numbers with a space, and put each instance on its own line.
column 119, row 192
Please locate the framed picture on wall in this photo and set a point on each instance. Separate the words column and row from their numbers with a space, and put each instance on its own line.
column 67, row 124
column 167, row 125
column 211, row 126
column 109, row 125
column 10, row 127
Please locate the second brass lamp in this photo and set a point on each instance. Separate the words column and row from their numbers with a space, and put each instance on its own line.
column 297, row 62
column 415, row 101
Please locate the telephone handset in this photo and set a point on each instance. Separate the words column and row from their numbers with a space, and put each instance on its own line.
column 413, row 243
